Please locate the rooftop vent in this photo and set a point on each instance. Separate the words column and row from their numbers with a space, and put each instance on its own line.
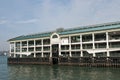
column 60, row 29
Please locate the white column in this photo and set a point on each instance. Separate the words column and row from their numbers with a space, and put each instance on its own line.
column 81, row 53
column 107, row 42
column 70, row 46
column 20, row 48
column 108, row 54
column 27, row 46
column 34, row 55
column 50, row 50
column 10, row 50
column 14, row 49
column 59, row 49
column 42, row 47
column 94, row 54
column 93, row 38
column 34, row 46
column 81, row 47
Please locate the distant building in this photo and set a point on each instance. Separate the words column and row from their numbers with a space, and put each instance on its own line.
column 101, row 40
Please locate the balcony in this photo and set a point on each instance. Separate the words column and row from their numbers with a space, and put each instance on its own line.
column 65, row 54
column 31, row 43
column 87, row 46
column 114, row 45
column 38, row 48
column 12, row 50
column 100, row 37
column 75, row 54
column 46, row 54
column 46, row 42
column 64, row 47
column 24, row 49
column 87, row 38
column 46, row 48
column 76, row 46
column 38, row 54
column 38, row 42
column 102, row 54
column 115, row 54
column 17, row 44
column 86, row 54
column 100, row 45
column 17, row 49
column 31, row 49
column 75, row 39
column 24, row 43
column 114, row 35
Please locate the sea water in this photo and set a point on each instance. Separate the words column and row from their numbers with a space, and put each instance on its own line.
column 55, row 72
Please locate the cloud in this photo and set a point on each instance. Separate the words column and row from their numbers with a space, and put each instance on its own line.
column 3, row 21
column 77, row 12
column 27, row 21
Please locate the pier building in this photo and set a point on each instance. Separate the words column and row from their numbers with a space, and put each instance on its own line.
column 100, row 41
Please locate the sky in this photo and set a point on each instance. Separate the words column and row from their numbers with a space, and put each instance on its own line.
column 22, row 17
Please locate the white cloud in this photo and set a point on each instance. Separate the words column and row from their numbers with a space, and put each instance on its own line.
column 3, row 21
column 27, row 21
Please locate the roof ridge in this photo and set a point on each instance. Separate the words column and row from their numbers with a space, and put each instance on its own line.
column 94, row 25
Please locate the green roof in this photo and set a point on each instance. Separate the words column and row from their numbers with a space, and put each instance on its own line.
column 99, row 27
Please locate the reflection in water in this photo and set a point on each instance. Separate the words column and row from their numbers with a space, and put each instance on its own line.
column 3, row 68
column 45, row 72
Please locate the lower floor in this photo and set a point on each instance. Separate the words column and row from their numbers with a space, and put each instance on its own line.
column 78, row 53
column 81, row 61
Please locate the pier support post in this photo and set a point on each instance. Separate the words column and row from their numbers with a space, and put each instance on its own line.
column 34, row 55
column 14, row 55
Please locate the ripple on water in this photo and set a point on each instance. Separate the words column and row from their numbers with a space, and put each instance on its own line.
column 45, row 72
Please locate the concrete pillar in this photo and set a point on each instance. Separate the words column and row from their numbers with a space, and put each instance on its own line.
column 81, row 42
column 81, row 53
column 14, row 55
column 81, row 47
column 59, row 49
column 34, row 55
column 107, row 40
column 10, row 50
column 94, row 54
column 70, row 46
column 108, row 54
column 10, row 55
column 93, row 38
column 20, row 49
column 14, row 49
column 20, row 55
column 50, row 50
column 27, row 46
column 34, row 46
column 42, row 47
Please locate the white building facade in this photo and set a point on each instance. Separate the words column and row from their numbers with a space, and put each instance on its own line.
column 96, row 40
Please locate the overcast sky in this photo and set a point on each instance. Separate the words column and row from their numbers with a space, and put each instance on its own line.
column 21, row 17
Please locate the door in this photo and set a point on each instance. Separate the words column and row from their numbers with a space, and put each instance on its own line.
column 55, row 53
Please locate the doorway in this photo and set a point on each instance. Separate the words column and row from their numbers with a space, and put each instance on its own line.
column 55, row 53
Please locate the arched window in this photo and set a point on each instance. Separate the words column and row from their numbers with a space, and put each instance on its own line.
column 54, row 36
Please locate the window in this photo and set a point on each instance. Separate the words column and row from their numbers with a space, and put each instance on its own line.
column 75, row 39
column 55, row 36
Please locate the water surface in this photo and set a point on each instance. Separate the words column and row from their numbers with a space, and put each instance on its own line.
column 55, row 72
column 45, row 72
